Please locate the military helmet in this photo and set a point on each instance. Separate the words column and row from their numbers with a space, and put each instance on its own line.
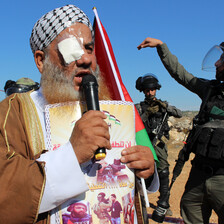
column 148, row 81
column 20, row 86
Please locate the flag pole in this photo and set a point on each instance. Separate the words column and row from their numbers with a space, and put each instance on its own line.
column 145, row 192
column 119, row 89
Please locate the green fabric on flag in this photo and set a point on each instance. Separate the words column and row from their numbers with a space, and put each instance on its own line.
column 117, row 122
column 142, row 138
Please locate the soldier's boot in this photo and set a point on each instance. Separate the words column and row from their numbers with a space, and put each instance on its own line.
column 159, row 213
column 164, row 190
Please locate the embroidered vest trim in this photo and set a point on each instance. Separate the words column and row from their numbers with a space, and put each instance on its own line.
column 32, row 122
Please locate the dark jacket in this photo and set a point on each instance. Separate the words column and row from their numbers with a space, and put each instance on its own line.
column 155, row 114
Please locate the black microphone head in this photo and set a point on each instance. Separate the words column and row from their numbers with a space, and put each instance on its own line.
column 89, row 80
column 90, row 90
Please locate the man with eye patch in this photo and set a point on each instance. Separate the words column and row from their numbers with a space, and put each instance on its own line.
column 204, row 190
column 37, row 180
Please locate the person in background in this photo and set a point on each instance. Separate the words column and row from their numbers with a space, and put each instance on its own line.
column 155, row 113
column 204, row 190
column 22, row 85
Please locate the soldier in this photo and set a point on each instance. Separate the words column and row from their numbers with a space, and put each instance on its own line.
column 154, row 113
column 204, row 190
column 20, row 86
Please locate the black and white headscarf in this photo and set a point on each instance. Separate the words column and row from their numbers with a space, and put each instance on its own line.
column 51, row 24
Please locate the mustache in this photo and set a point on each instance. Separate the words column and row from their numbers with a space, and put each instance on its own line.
column 81, row 73
column 62, row 84
column 62, row 76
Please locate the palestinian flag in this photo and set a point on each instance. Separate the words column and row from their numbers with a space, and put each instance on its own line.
column 109, row 69
column 112, row 118
column 117, row 122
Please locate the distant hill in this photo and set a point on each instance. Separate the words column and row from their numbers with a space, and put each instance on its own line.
column 189, row 113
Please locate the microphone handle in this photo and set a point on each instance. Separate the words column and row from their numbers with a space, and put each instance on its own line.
column 92, row 102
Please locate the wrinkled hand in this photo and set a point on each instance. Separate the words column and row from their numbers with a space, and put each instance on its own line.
column 149, row 42
column 90, row 133
column 139, row 158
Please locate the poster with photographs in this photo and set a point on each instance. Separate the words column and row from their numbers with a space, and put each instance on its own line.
column 110, row 197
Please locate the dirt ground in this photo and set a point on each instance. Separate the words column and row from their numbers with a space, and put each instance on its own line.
column 177, row 188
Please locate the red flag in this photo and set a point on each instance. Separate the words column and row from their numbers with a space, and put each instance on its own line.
column 109, row 70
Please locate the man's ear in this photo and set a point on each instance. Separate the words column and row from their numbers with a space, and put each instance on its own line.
column 39, row 58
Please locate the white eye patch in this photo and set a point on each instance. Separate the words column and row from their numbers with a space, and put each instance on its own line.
column 70, row 49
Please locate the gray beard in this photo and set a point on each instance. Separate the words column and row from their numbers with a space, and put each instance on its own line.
column 56, row 87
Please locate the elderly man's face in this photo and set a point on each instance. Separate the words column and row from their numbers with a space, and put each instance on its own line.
column 85, row 63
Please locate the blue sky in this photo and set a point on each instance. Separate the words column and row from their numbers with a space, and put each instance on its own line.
column 190, row 28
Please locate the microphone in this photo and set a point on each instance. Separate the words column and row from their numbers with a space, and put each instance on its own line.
column 90, row 90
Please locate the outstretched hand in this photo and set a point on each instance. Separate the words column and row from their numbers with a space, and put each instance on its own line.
column 149, row 42
column 139, row 158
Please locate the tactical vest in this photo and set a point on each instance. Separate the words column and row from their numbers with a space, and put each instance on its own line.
column 209, row 142
column 153, row 121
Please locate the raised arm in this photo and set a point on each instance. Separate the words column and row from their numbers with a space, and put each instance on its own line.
column 150, row 42
column 175, row 69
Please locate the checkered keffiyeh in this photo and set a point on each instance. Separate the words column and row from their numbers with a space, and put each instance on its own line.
column 51, row 24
